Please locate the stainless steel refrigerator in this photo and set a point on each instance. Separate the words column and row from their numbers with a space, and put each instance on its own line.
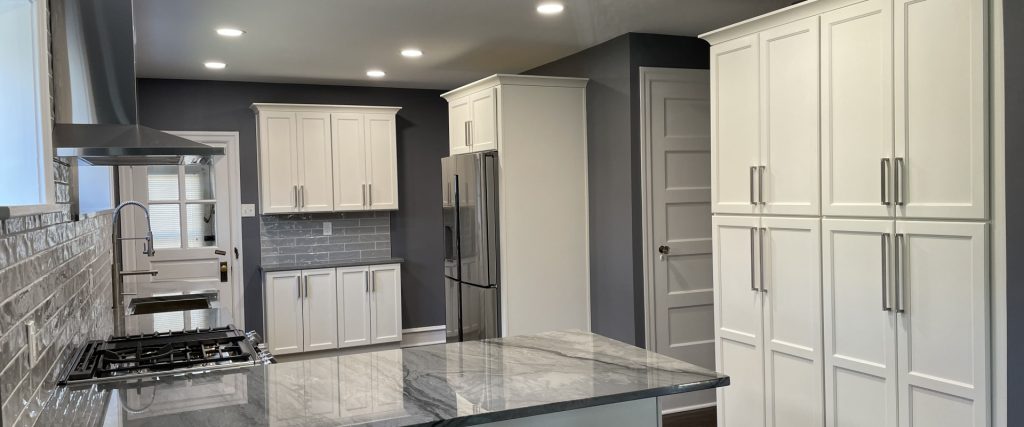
column 471, row 262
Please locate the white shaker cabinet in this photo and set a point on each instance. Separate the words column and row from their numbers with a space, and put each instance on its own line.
column 460, row 115
column 940, row 109
column 319, row 309
column 327, row 158
column 473, row 122
column 735, row 133
column 283, row 298
column 329, row 308
column 788, row 176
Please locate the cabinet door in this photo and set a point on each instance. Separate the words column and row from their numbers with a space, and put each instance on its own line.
column 386, row 303
column 738, row 339
column 279, row 159
column 484, row 123
column 856, row 110
column 791, row 288
column 940, row 92
column 860, row 324
column 284, row 312
column 316, row 177
column 319, row 309
column 348, row 147
column 353, row 306
column 942, row 300
column 459, row 116
column 735, row 117
column 381, row 162
column 789, row 119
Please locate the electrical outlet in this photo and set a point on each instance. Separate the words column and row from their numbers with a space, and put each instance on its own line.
column 328, row 229
column 248, row 210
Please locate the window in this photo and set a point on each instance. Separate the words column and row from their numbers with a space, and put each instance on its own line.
column 27, row 158
column 182, row 208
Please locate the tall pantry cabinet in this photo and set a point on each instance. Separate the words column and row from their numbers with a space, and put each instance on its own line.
column 849, row 184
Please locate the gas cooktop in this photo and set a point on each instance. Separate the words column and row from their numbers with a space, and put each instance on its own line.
column 167, row 353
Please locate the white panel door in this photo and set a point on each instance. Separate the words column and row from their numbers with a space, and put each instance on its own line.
column 856, row 110
column 484, row 123
column 386, row 303
column 677, row 126
column 279, row 160
column 789, row 119
column 942, row 328
column 738, row 320
column 940, row 103
column 791, row 288
column 284, row 311
column 319, row 309
column 860, row 323
column 459, row 117
column 735, row 126
column 353, row 306
column 349, row 150
column 316, row 178
column 381, row 162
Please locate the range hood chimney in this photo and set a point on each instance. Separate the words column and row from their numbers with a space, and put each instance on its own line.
column 95, row 109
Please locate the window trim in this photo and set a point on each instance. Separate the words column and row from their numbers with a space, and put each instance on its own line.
column 44, row 119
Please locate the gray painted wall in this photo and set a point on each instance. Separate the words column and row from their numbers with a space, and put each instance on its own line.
column 422, row 141
column 1013, row 15
column 613, row 148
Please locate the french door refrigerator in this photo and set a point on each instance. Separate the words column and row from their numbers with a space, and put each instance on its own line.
column 471, row 265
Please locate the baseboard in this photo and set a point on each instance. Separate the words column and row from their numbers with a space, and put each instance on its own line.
column 688, row 408
column 423, row 336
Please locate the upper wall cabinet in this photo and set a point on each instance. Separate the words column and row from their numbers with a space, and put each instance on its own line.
column 473, row 122
column 765, row 122
column 323, row 158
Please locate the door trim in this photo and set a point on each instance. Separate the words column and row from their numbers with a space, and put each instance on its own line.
column 229, row 141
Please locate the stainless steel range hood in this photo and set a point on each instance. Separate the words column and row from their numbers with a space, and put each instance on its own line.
column 95, row 109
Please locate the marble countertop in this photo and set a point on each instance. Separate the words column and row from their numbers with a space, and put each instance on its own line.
column 445, row 384
column 331, row 264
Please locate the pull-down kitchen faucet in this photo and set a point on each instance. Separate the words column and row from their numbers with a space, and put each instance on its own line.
column 117, row 275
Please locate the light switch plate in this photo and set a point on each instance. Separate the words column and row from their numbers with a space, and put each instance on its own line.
column 248, row 210
column 328, row 229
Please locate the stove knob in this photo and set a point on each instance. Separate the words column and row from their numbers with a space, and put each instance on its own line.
column 261, row 347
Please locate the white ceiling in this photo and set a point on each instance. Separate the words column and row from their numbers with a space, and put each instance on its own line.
column 336, row 41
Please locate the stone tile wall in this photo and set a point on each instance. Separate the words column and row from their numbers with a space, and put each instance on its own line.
column 299, row 239
column 56, row 273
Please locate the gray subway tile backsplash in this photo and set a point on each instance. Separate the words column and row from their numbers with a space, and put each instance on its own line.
column 299, row 239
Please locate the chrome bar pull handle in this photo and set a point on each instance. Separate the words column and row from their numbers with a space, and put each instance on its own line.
column 369, row 194
column 753, row 171
column 467, row 130
column 886, row 304
column 298, row 287
column 363, row 194
column 899, row 188
column 901, row 268
column 760, row 242
column 366, row 280
column 885, row 182
column 753, row 260
column 295, row 196
column 760, row 184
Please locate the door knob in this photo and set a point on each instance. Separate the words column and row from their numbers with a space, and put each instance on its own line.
column 663, row 250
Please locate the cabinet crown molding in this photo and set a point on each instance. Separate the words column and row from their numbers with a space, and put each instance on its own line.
column 517, row 80
column 782, row 16
column 260, row 107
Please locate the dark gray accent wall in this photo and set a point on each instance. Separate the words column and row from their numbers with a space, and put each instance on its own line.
column 1013, row 15
column 422, row 141
column 613, row 161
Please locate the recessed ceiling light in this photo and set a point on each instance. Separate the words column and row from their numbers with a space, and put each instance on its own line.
column 230, row 32
column 375, row 74
column 213, row 65
column 550, row 8
column 412, row 53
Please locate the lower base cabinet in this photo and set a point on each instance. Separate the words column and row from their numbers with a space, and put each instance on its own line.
column 323, row 309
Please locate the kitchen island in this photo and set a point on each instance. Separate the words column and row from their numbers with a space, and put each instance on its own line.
column 570, row 377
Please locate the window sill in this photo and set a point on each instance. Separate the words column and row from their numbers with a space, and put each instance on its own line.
column 14, row 211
